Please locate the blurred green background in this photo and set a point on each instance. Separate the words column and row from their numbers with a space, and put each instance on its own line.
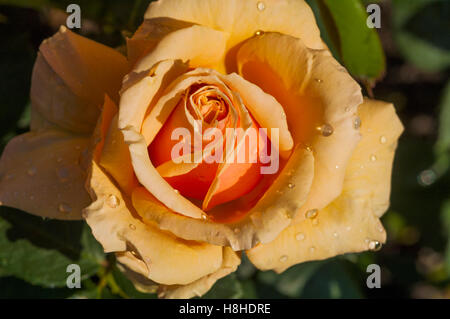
column 406, row 62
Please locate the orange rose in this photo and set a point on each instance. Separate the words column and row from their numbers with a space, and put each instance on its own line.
column 102, row 144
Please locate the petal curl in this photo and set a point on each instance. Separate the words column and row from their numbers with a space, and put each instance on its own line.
column 231, row 261
column 262, row 223
column 351, row 222
column 41, row 174
column 139, row 97
column 314, row 91
column 158, row 255
column 70, row 78
column 199, row 45
column 242, row 18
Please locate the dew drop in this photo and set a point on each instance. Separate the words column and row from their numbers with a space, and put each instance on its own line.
column 383, row 139
column 176, row 191
column 375, row 245
column 31, row 171
column 259, row 33
column 427, row 177
column 312, row 249
column 335, row 235
column 300, row 236
column 312, row 213
column 373, row 158
column 283, row 258
column 132, row 227
column 290, row 185
column 319, row 80
column 112, row 201
column 326, row 130
column 357, row 123
column 64, row 208
column 261, row 6
column 204, row 217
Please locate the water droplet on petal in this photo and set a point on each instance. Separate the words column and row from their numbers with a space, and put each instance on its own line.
column 312, row 249
column 283, row 258
column 326, row 130
column 261, row 6
column 259, row 33
column 373, row 158
column 383, row 139
column 31, row 171
column 204, row 217
column 112, row 201
column 300, row 236
column 357, row 123
column 335, row 235
column 290, row 185
column 132, row 227
column 64, row 208
column 312, row 213
column 375, row 245
column 318, row 80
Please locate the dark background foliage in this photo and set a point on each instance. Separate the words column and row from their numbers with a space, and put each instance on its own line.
column 405, row 62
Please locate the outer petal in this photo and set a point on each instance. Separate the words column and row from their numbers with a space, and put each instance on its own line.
column 199, row 45
column 242, row 18
column 41, row 174
column 314, row 90
column 158, row 255
column 351, row 222
column 231, row 261
column 70, row 78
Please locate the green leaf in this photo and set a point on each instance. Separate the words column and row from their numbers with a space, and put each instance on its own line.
column 446, row 221
column 122, row 286
column 226, row 288
column 420, row 32
column 358, row 46
column 12, row 287
column 291, row 282
column 332, row 280
column 38, row 251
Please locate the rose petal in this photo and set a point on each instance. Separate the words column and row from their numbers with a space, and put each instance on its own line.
column 137, row 98
column 151, row 250
column 149, row 34
column 273, row 212
column 230, row 262
column 241, row 19
column 351, row 222
column 263, row 107
column 200, row 46
column 40, row 174
column 70, row 78
column 314, row 90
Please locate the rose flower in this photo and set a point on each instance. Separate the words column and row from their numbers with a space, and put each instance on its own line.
column 105, row 128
